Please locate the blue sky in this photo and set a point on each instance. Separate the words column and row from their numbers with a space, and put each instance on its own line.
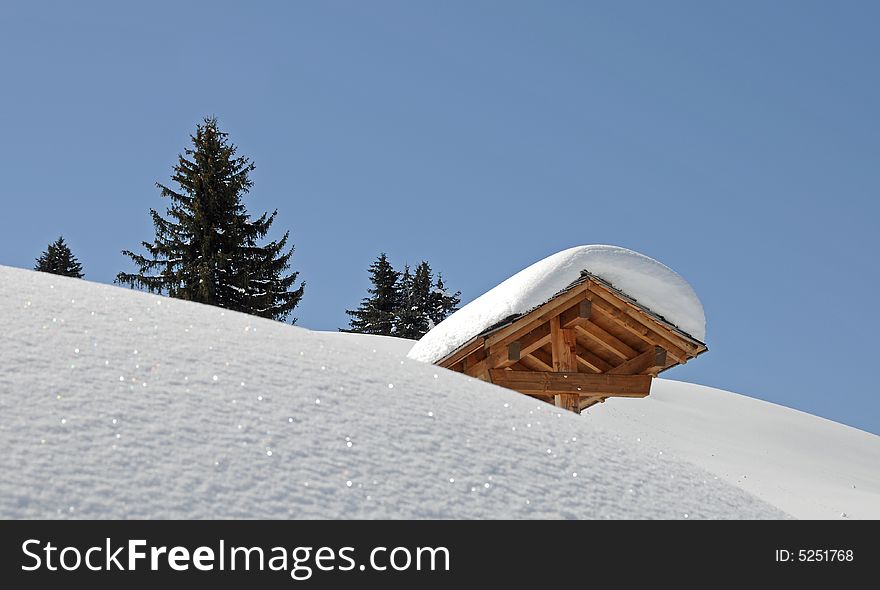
column 738, row 143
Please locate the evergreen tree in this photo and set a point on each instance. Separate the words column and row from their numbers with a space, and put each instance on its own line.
column 208, row 248
column 406, row 305
column 377, row 312
column 406, row 321
column 442, row 304
column 423, row 303
column 414, row 314
column 59, row 260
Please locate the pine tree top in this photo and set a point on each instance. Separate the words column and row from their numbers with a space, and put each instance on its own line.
column 59, row 260
column 376, row 313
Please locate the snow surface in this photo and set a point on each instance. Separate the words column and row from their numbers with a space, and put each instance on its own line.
column 119, row 404
column 807, row 466
column 386, row 344
column 651, row 283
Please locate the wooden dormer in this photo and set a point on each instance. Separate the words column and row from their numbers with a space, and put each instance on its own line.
column 587, row 343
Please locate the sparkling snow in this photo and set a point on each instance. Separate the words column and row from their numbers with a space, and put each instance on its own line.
column 808, row 466
column 189, row 446
column 649, row 282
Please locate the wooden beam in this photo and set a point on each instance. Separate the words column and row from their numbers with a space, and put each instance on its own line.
column 458, row 355
column 592, row 360
column 654, row 358
column 500, row 355
column 548, row 382
column 619, row 317
column 536, row 317
column 670, row 362
column 545, row 358
column 513, row 351
column 612, row 343
column 568, row 401
column 535, row 339
column 533, row 364
column 476, row 368
column 563, row 343
column 689, row 345
column 576, row 315
column 583, row 367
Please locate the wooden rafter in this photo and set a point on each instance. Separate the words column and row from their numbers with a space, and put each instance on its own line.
column 592, row 360
column 576, row 315
column 610, row 342
column 465, row 350
column 534, row 364
column 544, row 356
column 503, row 356
column 475, row 368
column 536, row 317
column 607, row 314
column 655, row 358
column 632, row 317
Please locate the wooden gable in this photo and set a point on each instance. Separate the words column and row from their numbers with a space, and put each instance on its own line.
column 588, row 343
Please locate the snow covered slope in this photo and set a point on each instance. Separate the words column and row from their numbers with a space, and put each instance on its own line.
column 118, row 404
column 651, row 283
column 807, row 466
column 374, row 342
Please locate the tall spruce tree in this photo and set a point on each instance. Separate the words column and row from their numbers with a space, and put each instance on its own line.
column 405, row 312
column 59, row 260
column 442, row 304
column 377, row 312
column 415, row 308
column 208, row 248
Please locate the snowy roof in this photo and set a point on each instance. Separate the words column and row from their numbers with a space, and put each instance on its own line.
column 653, row 286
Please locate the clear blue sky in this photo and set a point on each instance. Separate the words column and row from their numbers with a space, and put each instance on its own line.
column 739, row 143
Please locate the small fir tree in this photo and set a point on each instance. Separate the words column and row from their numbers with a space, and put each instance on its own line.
column 414, row 312
column 442, row 304
column 377, row 312
column 59, row 260
column 406, row 319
